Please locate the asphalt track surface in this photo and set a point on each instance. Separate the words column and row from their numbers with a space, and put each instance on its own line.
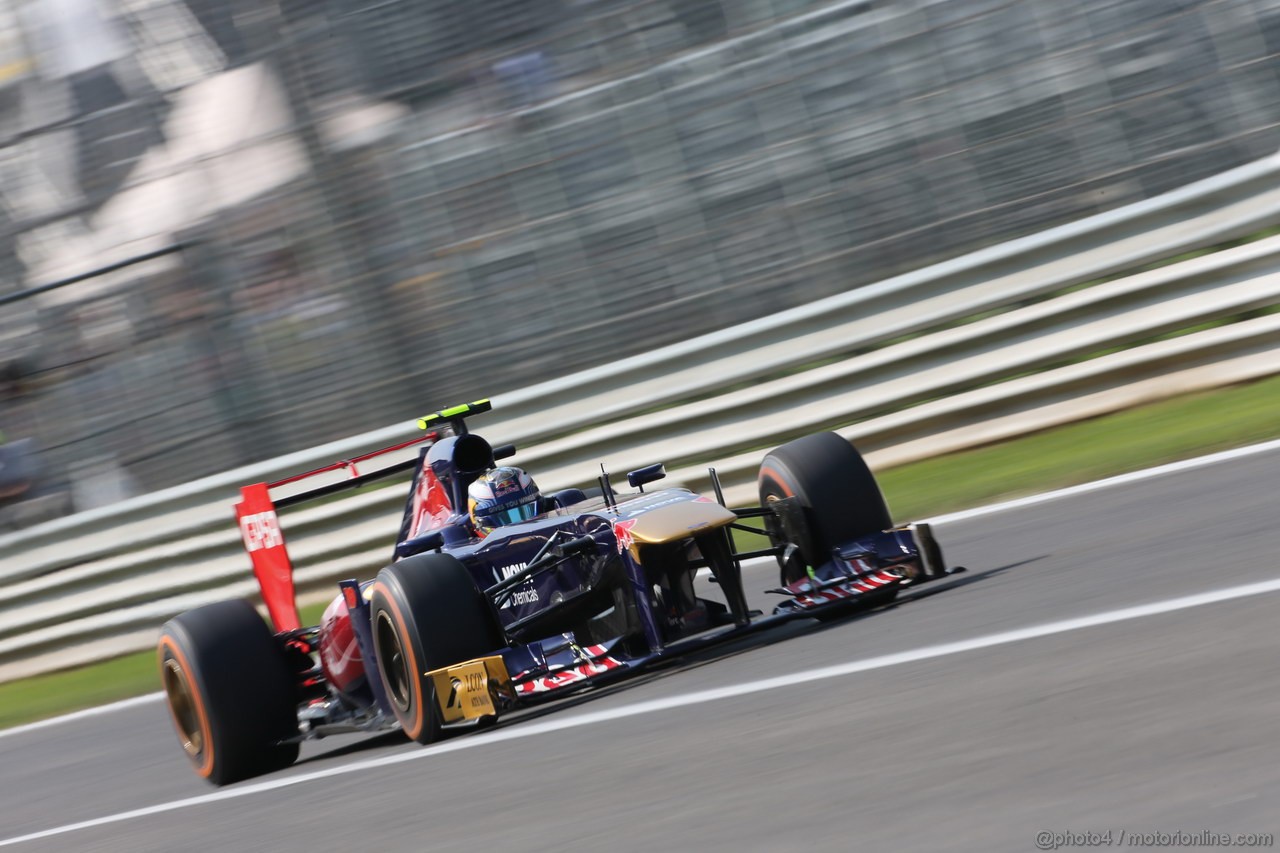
column 1029, row 695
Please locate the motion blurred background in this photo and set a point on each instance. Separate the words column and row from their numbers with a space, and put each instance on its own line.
column 230, row 229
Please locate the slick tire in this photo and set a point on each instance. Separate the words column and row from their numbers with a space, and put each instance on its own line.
column 231, row 693
column 427, row 613
column 837, row 493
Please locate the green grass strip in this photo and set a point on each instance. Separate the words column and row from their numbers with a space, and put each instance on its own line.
column 1076, row 453
column 1143, row 437
column 43, row 696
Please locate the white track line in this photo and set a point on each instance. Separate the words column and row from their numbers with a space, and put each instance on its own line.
column 1132, row 477
column 122, row 705
column 1119, row 480
column 571, row 721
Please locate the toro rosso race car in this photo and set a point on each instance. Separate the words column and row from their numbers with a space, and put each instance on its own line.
column 497, row 597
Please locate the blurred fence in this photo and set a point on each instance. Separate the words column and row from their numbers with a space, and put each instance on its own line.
column 1014, row 338
column 389, row 205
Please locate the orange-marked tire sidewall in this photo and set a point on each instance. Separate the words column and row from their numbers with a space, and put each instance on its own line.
column 415, row 719
column 771, row 475
column 203, row 765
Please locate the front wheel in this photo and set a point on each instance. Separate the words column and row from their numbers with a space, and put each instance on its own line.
column 231, row 694
column 427, row 614
column 836, row 491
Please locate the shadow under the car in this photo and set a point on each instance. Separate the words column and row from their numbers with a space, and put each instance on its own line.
column 964, row 579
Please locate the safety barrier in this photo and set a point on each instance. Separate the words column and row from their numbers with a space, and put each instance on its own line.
column 982, row 347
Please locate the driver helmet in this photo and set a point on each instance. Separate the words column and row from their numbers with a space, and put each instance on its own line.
column 502, row 496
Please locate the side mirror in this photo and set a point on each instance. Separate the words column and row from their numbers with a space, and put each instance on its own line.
column 648, row 474
column 504, row 451
column 427, row 542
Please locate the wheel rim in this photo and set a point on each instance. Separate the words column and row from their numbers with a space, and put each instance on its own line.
column 182, row 700
column 771, row 527
column 778, row 539
column 391, row 658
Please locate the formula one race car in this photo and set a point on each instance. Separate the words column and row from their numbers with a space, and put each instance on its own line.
column 478, row 615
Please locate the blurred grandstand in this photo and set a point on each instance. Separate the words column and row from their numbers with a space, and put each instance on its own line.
column 235, row 228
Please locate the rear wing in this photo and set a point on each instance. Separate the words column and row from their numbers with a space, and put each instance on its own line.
column 260, row 526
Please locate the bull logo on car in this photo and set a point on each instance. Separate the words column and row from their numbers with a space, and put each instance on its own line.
column 622, row 531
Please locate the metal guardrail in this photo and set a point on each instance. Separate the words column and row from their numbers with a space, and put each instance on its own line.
column 981, row 347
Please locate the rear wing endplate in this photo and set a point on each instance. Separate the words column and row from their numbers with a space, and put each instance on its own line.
column 263, row 538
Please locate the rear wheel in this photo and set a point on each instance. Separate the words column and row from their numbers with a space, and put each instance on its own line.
column 231, row 694
column 836, row 491
column 427, row 613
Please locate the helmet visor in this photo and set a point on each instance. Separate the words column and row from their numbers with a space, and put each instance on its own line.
column 500, row 516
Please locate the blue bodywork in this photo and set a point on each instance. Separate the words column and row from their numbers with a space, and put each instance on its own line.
column 577, row 604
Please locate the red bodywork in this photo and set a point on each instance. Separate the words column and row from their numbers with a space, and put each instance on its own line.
column 430, row 508
column 340, row 658
column 264, row 541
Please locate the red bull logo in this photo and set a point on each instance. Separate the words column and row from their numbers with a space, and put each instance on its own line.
column 507, row 486
column 622, row 532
